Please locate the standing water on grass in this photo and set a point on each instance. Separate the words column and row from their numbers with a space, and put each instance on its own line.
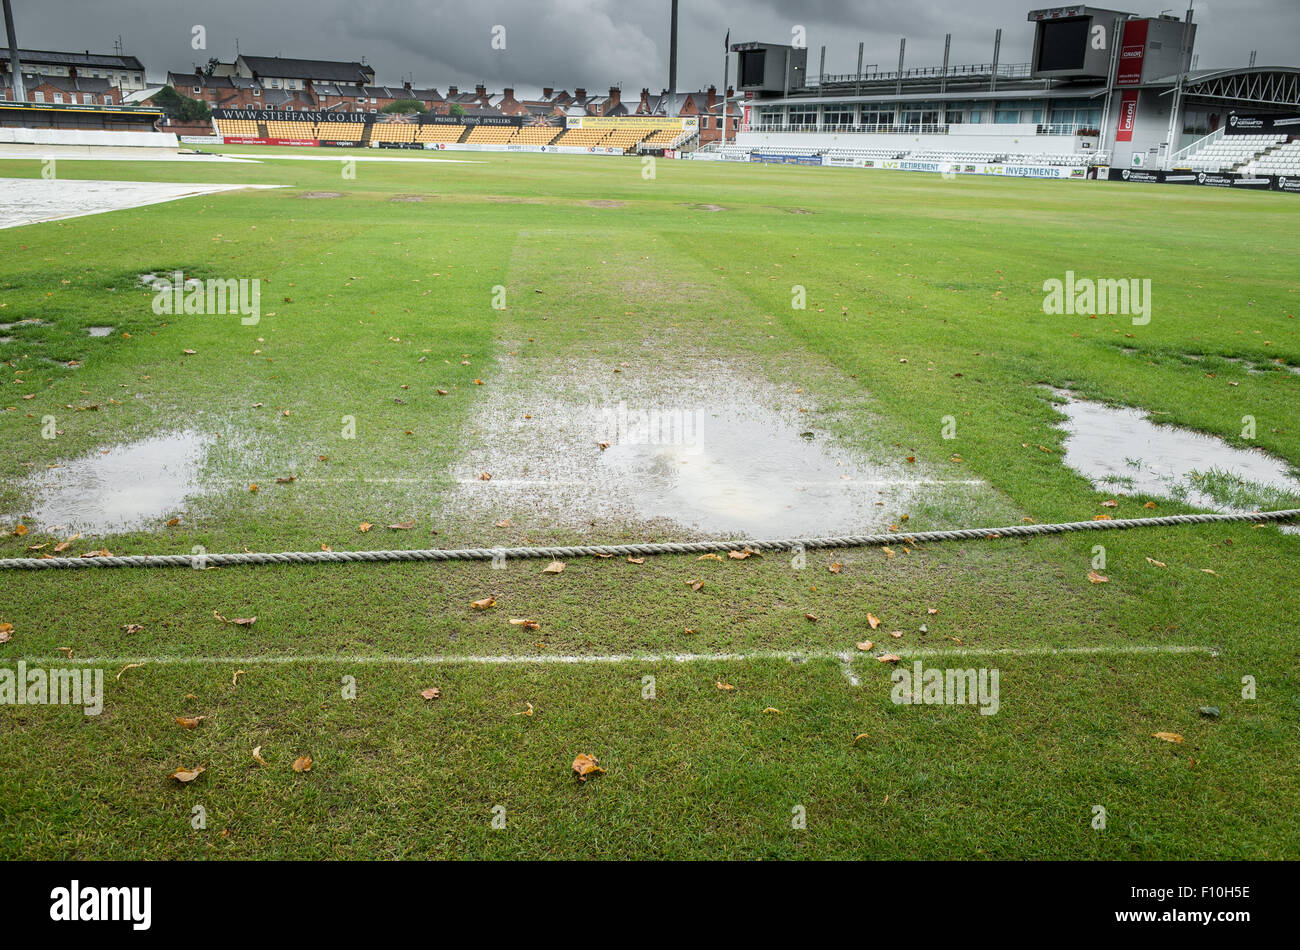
column 125, row 487
column 698, row 446
column 1120, row 449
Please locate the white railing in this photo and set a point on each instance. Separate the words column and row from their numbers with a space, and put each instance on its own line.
column 1196, row 146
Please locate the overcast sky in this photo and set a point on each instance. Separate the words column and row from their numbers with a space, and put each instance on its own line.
column 598, row 43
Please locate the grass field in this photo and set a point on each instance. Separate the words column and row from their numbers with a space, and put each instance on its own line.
column 923, row 305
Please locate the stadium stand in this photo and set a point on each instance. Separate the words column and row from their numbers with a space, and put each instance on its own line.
column 490, row 134
column 438, row 133
column 1229, row 151
column 534, row 135
column 582, row 138
column 1281, row 160
column 403, row 132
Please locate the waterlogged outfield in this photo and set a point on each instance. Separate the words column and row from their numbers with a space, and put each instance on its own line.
column 945, row 275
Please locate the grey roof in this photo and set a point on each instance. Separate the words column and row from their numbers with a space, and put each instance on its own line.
column 32, row 80
column 53, row 58
column 323, row 69
column 196, row 79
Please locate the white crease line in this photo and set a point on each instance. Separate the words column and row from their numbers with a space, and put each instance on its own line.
column 844, row 657
column 542, row 483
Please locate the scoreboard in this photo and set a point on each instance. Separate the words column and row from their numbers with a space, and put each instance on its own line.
column 1074, row 42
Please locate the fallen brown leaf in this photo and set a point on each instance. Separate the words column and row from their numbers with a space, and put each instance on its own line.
column 189, row 722
column 257, row 756
column 1167, row 736
column 302, row 763
column 236, row 621
column 635, row 560
column 726, row 687
column 865, row 645
column 185, row 775
column 483, row 604
column 585, row 765
column 432, row 692
column 1095, row 578
column 555, row 567
column 873, row 621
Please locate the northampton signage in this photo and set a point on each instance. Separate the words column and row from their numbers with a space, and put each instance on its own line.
column 1229, row 180
column 1262, row 125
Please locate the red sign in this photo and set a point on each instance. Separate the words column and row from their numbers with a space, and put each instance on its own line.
column 1128, row 110
column 1132, row 51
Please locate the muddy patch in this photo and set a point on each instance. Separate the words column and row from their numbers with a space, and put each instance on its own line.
column 405, row 198
column 99, row 331
column 605, row 203
column 794, row 210
column 705, row 207
column 137, row 485
column 702, row 448
column 30, row 322
column 1120, row 450
column 321, row 194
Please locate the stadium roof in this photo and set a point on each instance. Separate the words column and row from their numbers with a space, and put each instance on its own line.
column 52, row 58
column 323, row 69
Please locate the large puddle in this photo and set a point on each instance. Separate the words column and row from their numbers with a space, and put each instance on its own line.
column 138, row 485
column 698, row 447
column 1121, row 450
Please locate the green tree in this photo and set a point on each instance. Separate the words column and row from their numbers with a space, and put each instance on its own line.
column 456, row 109
column 403, row 106
column 181, row 108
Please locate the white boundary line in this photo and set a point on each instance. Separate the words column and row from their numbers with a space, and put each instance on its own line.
column 843, row 656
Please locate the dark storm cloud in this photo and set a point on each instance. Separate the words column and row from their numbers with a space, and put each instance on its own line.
column 596, row 43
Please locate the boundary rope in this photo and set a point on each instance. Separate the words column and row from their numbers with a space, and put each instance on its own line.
column 204, row 560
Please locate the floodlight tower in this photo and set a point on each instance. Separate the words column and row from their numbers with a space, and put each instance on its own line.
column 671, row 108
column 16, row 68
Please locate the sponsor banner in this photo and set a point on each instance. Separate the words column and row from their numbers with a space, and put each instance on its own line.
column 1128, row 108
column 1288, row 183
column 419, row 145
column 1262, row 125
column 647, row 122
column 341, row 143
column 769, row 159
column 1229, row 180
column 201, row 139
column 966, row 168
column 1132, row 52
column 366, row 118
column 247, row 140
column 498, row 147
column 495, row 120
column 276, row 115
